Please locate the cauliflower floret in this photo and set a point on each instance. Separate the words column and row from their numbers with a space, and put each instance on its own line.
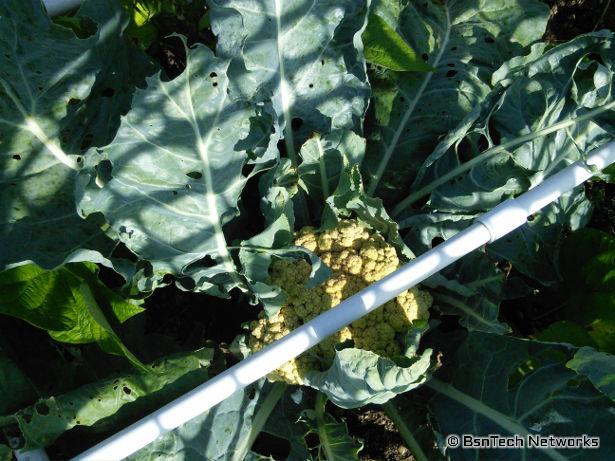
column 357, row 257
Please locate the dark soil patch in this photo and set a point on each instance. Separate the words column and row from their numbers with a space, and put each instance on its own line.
column 381, row 441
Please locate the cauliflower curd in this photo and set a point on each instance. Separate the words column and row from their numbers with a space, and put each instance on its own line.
column 357, row 257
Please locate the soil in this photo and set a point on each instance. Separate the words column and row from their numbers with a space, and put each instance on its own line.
column 381, row 441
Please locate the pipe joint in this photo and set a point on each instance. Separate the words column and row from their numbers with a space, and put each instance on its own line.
column 504, row 218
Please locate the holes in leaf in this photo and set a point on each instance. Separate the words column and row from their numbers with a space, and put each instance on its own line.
column 42, row 408
column 251, row 392
column 247, row 169
column 213, row 75
column 195, row 174
column 464, row 152
column 16, row 157
column 127, row 390
column 311, row 85
column 214, row 84
column 493, row 132
column 436, row 241
column 296, row 123
column 451, row 73
column 103, row 173
column 322, row 62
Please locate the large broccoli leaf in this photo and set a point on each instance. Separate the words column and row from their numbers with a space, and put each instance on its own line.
column 465, row 41
column 43, row 422
column 44, row 70
column 295, row 53
column 504, row 385
column 171, row 178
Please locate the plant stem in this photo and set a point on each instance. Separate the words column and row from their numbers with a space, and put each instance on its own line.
column 260, row 418
column 481, row 158
column 405, row 432
column 319, row 410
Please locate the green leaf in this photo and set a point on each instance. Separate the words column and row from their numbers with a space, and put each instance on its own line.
column 13, row 383
column 42, row 423
column 70, row 303
column 302, row 54
column 6, row 454
column 335, row 443
column 464, row 41
column 504, row 385
column 176, row 162
column 565, row 331
column 472, row 288
column 44, row 69
column 386, row 48
column 586, row 261
column 598, row 367
column 358, row 377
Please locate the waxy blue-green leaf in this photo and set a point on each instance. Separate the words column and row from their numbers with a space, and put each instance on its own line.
column 540, row 118
column 503, row 385
column 358, row 377
column 465, row 41
column 323, row 159
column 223, row 433
column 171, row 178
column 44, row 69
column 42, row 423
column 293, row 53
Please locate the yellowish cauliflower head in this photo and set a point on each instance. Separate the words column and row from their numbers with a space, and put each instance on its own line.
column 357, row 257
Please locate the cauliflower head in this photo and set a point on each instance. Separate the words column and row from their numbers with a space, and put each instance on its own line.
column 357, row 257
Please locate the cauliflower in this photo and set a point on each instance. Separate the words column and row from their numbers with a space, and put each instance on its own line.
column 357, row 257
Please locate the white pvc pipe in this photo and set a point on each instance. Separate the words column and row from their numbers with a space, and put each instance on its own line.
column 56, row 7
column 504, row 218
